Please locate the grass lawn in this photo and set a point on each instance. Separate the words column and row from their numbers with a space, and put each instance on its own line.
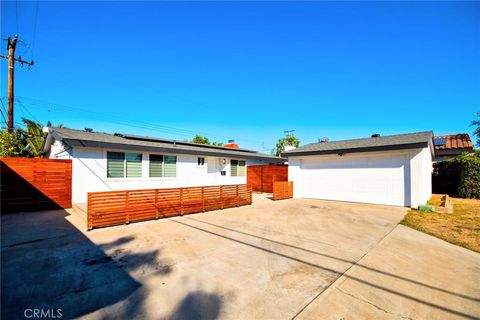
column 461, row 227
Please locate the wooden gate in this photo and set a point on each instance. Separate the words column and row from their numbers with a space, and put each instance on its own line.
column 282, row 190
column 261, row 178
column 31, row 184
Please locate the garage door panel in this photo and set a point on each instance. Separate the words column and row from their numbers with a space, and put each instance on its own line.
column 379, row 180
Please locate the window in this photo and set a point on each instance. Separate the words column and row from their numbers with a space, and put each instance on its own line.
column 170, row 166
column 156, row 166
column 134, row 165
column 115, row 164
column 121, row 165
column 237, row 168
column 163, row 166
column 200, row 161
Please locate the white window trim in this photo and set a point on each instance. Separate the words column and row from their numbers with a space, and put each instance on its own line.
column 230, row 168
column 163, row 167
column 124, row 165
column 145, row 167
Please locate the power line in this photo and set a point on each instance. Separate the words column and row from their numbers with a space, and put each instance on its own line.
column 25, row 110
column 12, row 44
column 3, row 116
column 119, row 120
column 3, row 105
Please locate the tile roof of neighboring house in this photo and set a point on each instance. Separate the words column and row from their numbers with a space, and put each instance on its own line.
column 394, row 142
column 454, row 141
column 124, row 141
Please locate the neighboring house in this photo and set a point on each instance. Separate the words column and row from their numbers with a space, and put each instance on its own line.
column 392, row 170
column 104, row 162
column 451, row 145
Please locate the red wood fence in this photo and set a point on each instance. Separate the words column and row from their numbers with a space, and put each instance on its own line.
column 261, row 178
column 30, row 184
column 282, row 190
column 119, row 207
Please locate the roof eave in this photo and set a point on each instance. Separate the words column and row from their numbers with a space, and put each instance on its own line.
column 356, row 150
column 99, row 144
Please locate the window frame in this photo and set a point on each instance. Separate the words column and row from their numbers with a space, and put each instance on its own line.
column 164, row 156
column 124, row 176
column 238, row 168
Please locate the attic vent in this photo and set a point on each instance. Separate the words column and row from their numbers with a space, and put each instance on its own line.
column 375, row 135
column 88, row 129
column 323, row 140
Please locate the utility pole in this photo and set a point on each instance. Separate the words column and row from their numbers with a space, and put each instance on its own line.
column 288, row 133
column 11, row 45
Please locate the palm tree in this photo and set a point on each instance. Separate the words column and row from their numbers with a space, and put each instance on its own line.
column 33, row 137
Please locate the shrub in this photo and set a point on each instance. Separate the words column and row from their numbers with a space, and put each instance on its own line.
column 459, row 176
column 469, row 184
column 11, row 144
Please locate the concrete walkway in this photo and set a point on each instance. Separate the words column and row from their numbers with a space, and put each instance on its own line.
column 301, row 258
column 409, row 275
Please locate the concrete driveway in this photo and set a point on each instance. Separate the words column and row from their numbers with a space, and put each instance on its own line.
column 301, row 258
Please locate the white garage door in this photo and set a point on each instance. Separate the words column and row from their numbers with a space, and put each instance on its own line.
column 370, row 179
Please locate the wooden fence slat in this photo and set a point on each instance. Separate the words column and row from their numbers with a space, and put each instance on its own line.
column 282, row 190
column 118, row 207
column 261, row 178
column 30, row 184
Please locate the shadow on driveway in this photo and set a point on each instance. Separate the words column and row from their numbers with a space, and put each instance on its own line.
column 46, row 263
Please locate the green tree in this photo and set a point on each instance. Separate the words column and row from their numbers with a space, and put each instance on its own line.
column 11, row 144
column 205, row 140
column 477, row 129
column 24, row 142
column 33, row 137
column 289, row 140
column 200, row 139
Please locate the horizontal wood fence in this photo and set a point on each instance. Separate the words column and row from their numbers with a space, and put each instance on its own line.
column 31, row 184
column 119, row 207
column 282, row 190
column 261, row 178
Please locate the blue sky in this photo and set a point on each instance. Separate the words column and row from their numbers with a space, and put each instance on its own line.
column 249, row 70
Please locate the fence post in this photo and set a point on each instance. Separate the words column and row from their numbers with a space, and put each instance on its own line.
column 181, row 201
column 127, row 213
column 89, row 212
column 203, row 199
column 157, row 213
column 221, row 197
column 238, row 198
column 261, row 179
column 250, row 195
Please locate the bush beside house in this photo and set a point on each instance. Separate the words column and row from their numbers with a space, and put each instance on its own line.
column 459, row 176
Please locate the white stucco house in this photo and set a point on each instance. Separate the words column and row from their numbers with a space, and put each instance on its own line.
column 104, row 162
column 392, row 170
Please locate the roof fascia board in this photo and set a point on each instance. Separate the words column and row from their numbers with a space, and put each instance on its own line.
column 354, row 150
column 97, row 144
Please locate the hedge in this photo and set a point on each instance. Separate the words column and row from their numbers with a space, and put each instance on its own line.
column 459, row 176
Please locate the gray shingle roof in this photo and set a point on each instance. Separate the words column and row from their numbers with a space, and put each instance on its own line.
column 121, row 141
column 394, row 142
